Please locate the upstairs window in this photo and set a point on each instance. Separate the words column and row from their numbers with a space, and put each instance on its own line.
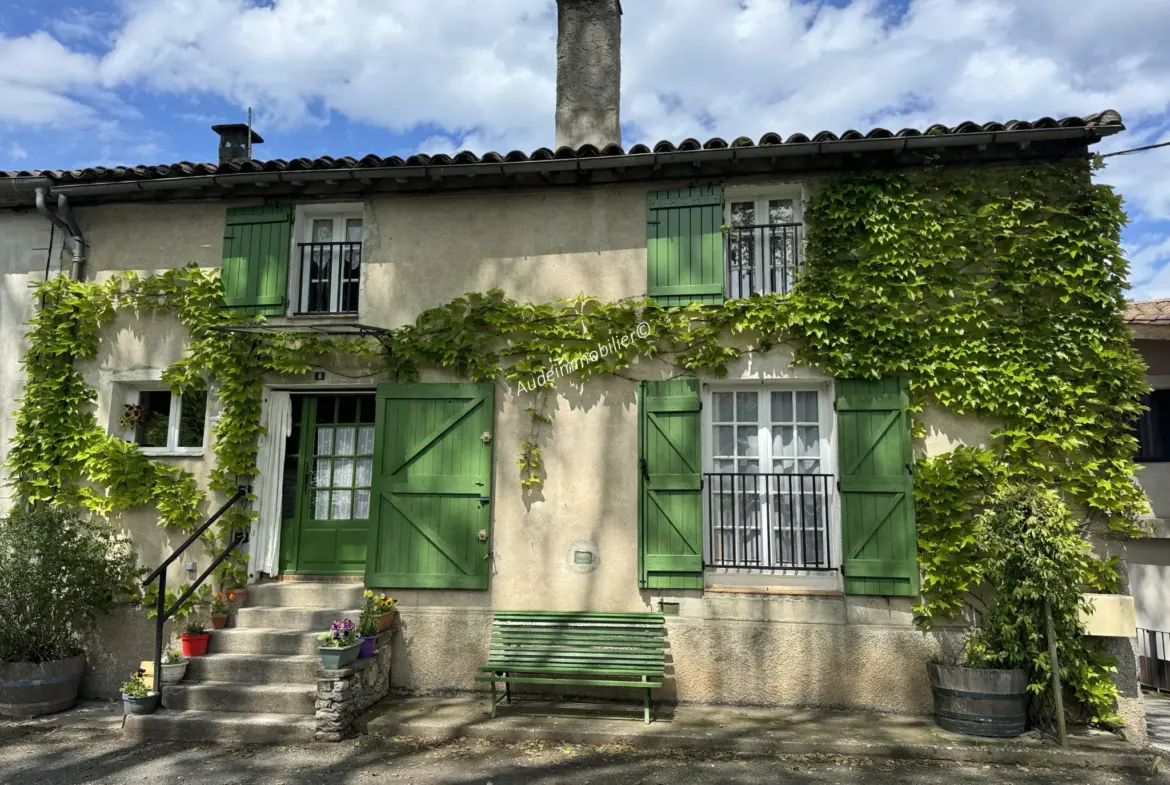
column 764, row 244
column 328, row 262
column 1153, row 428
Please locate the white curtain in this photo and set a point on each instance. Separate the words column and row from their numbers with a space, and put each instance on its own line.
column 276, row 417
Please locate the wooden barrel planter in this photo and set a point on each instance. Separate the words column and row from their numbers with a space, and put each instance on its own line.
column 28, row 689
column 980, row 701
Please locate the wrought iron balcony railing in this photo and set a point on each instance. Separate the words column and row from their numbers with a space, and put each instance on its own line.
column 768, row 521
column 762, row 259
column 330, row 274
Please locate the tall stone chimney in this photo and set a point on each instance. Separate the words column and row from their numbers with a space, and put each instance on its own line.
column 233, row 142
column 589, row 72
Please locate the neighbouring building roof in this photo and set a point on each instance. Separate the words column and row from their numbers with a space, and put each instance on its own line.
column 1148, row 312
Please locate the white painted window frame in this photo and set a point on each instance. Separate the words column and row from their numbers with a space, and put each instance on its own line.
column 828, row 449
column 303, row 218
column 128, row 393
column 760, row 195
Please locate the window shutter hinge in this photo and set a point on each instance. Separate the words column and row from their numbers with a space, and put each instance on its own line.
column 838, row 486
column 834, row 406
column 642, row 465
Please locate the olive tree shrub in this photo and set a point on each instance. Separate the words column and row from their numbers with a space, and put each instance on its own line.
column 59, row 574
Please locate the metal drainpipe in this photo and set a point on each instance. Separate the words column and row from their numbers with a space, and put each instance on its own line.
column 63, row 219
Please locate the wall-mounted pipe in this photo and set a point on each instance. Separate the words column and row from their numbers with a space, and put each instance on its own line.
column 63, row 219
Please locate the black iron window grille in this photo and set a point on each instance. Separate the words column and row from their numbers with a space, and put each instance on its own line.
column 330, row 274
column 768, row 521
column 762, row 258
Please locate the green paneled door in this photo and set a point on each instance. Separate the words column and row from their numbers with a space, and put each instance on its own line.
column 877, row 501
column 335, row 494
column 684, row 245
column 671, row 506
column 433, row 480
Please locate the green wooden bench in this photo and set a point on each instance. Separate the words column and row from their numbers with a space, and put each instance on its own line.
column 587, row 649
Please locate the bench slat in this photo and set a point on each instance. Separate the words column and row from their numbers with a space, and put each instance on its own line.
column 581, row 657
column 564, row 641
column 511, row 667
column 583, row 682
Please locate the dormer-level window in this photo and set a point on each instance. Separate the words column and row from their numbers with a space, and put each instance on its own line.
column 764, row 247
column 328, row 262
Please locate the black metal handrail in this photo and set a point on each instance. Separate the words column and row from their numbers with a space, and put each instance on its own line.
column 1153, row 659
column 162, row 613
column 762, row 258
column 322, row 265
column 768, row 521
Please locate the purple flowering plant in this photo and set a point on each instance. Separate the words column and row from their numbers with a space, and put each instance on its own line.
column 342, row 632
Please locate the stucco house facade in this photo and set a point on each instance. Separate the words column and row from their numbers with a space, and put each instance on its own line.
column 724, row 502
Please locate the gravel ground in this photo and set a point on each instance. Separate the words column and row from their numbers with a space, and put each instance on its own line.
column 68, row 756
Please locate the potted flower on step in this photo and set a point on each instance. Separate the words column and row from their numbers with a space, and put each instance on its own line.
column 237, row 595
column 386, row 610
column 339, row 646
column 219, row 611
column 368, row 626
column 136, row 698
column 174, row 667
column 194, row 639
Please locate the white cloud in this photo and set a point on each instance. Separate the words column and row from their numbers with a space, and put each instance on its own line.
column 480, row 75
column 16, row 152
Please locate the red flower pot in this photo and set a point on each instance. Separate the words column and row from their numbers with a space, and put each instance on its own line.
column 194, row 645
column 219, row 621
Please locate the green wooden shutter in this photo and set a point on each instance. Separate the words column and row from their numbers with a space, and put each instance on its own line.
column 432, row 487
column 877, row 501
column 671, row 505
column 684, row 246
column 256, row 245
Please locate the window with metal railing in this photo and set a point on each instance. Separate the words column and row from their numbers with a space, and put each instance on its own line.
column 768, row 484
column 763, row 248
column 768, row 521
column 329, row 266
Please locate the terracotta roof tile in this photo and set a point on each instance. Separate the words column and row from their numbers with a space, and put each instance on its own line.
column 1148, row 312
column 1108, row 121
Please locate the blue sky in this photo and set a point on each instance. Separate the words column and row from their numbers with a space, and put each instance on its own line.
column 140, row 81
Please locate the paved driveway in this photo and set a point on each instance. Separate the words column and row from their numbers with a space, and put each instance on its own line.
column 65, row 757
column 1158, row 720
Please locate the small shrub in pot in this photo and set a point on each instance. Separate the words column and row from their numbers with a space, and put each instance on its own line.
column 60, row 573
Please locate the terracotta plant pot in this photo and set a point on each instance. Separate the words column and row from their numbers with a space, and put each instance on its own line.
column 173, row 674
column 369, row 644
column 194, row 645
column 219, row 621
column 238, row 596
column 144, row 705
column 337, row 657
column 385, row 620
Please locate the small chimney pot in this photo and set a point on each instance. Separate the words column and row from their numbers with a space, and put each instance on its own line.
column 233, row 142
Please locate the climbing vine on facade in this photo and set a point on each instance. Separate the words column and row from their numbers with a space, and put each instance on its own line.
column 995, row 290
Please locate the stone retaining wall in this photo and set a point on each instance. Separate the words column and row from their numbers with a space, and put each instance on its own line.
column 342, row 695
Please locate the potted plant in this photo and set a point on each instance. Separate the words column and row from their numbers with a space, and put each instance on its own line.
column 368, row 626
column 237, row 595
column 219, row 611
column 136, row 697
column 60, row 574
column 386, row 610
column 1032, row 563
column 194, row 639
column 339, row 646
column 174, row 667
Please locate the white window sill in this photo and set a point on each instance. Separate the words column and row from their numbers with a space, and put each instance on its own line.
column 163, row 452
column 727, row 579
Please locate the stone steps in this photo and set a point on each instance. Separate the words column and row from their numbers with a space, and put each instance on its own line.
column 254, row 668
column 224, row 726
column 291, row 618
column 226, row 696
column 262, row 641
column 291, row 594
column 259, row 681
